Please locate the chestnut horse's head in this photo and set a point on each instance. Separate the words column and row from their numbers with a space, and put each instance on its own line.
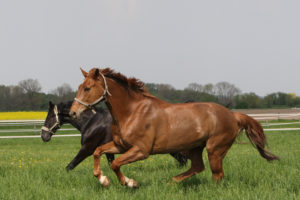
column 91, row 92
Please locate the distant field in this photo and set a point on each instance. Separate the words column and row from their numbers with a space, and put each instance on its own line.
column 32, row 169
column 22, row 115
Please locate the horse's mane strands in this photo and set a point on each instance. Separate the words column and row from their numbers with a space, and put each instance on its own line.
column 132, row 83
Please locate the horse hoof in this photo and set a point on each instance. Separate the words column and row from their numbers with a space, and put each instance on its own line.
column 104, row 181
column 131, row 183
column 176, row 179
column 68, row 168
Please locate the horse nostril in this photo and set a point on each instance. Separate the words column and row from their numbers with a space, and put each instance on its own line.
column 74, row 113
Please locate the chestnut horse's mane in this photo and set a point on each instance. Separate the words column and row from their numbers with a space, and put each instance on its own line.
column 131, row 83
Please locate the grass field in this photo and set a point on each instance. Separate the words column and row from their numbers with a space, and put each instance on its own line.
column 32, row 169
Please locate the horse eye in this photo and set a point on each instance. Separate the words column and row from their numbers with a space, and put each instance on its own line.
column 86, row 89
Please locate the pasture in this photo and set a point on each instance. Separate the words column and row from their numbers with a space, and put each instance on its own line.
column 32, row 169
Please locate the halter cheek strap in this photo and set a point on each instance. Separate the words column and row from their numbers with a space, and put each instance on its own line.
column 57, row 123
column 90, row 105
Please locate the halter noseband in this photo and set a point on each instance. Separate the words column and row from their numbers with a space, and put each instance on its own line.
column 56, row 125
column 90, row 105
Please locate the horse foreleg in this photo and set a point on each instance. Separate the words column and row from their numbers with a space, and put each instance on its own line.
column 82, row 154
column 106, row 148
column 132, row 155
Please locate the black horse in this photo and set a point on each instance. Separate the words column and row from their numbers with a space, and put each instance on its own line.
column 95, row 128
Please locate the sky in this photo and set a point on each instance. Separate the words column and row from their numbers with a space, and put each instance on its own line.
column 253, row 44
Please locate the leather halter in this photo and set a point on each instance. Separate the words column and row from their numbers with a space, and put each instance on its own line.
column 90, row 105
column 55, row 125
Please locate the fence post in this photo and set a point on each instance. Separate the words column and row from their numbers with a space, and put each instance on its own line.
column 34, row 126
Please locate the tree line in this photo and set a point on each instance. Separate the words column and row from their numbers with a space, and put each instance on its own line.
column 225, row 94
column 28, row 95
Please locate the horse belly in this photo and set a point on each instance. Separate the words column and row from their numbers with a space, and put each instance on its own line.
column 180, row 139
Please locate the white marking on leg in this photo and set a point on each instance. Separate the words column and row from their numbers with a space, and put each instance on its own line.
column 130, row 183
column 126, row 179
column 102, row 179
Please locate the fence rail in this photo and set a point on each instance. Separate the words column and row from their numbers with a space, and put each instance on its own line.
column 27, row 126
column 36, row 124
column 275, row 116
column 36, row 136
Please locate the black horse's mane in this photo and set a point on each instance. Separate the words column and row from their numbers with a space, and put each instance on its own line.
column 64, row 109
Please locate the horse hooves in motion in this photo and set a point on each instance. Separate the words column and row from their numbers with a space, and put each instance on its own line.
column 145, row 125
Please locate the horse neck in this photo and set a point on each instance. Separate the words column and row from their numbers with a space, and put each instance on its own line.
column 122, row 101
column 65, row 118
column 73, row 122
column 79, row 124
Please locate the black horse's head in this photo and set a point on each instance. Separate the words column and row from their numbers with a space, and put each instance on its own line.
column 52, row 122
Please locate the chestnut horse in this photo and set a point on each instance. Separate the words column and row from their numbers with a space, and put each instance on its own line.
column 144, row 125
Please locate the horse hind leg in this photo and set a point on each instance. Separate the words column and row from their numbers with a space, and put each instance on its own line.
column 216, row 152
column 197, row 165
column 215, row 162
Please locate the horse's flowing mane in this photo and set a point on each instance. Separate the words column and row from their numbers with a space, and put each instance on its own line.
column 132, row 83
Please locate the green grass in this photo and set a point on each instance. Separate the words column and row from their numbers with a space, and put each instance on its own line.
column 32, row 169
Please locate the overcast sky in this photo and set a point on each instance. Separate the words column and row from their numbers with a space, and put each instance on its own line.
column 254, row 44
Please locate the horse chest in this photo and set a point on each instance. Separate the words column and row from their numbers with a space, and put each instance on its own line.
column 117, row 137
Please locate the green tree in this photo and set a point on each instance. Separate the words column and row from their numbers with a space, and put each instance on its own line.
column 248, row 100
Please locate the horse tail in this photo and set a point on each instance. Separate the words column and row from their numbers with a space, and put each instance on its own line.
column 255, row 134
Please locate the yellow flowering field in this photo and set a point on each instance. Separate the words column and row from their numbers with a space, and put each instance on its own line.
column 22, row 115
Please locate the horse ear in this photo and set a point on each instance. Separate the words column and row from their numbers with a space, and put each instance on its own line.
column 83, row 72
column 96, row 74
column 51, row 104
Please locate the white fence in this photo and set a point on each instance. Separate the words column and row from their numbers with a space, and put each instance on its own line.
column 31, row 126
column 275, row 116
column 36, row 125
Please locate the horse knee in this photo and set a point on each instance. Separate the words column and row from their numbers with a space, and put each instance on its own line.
column 115, row 166
column 97, row 152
